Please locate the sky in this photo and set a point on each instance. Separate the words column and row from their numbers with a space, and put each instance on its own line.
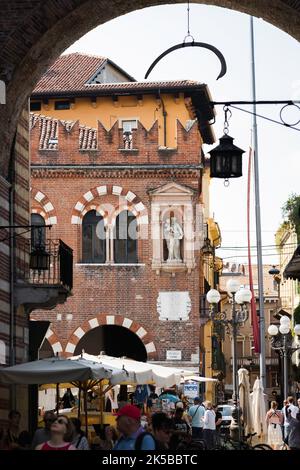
column 134, row 40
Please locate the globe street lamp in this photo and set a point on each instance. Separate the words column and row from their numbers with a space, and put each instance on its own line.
column 240, row 296
column 282, row 341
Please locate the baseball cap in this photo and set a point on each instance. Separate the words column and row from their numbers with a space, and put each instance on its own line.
column 130, row 411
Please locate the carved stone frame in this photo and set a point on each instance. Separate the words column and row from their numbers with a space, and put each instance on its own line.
column 173, row 197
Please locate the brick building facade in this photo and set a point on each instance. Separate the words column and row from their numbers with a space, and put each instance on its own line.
column 146, row 307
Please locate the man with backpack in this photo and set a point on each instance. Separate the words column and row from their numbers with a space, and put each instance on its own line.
column 162, row 427
column 129, row 426
column 196, row 414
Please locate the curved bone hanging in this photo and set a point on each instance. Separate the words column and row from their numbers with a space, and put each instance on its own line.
column 192, row 44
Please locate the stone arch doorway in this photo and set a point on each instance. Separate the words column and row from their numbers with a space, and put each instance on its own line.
column 111, row 320
column 40, row 31
column 114, row 340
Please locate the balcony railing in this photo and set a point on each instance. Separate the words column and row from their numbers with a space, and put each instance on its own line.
column 254, row 361
column 60, row 270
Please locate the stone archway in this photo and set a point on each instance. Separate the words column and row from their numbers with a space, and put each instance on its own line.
column 43, row 207
column 25, row 52
column 111, row 320
column 113, row 340
column 54, row 342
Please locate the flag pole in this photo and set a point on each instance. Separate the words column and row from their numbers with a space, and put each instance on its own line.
column 262, row 357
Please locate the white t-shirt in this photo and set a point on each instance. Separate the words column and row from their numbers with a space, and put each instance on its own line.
column 294, row 410
column 209, row 420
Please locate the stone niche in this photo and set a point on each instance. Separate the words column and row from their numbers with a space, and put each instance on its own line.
column 172, row 207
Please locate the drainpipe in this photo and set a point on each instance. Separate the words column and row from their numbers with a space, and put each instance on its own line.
column 164, row 112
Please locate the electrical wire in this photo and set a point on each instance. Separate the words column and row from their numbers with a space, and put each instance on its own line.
column 246, row 256
column 292, row 246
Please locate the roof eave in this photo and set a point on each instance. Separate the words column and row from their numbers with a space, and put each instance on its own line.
column 292, row 270
column 199, row 94
column 92, row 90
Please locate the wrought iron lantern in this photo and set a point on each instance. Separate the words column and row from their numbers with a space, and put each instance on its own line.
column 226, row 159
column 39, row 259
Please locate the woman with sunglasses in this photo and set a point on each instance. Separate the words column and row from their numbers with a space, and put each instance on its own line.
column 61, row 435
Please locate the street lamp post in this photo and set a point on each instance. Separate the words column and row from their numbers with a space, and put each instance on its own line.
column 282, row 341
column 240, row 296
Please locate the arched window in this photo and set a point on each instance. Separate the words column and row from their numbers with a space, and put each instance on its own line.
column 93, row 238
column 38, row 235
column 125, row 238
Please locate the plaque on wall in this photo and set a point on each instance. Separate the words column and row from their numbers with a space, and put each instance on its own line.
column 174, row 306
column 173, row 355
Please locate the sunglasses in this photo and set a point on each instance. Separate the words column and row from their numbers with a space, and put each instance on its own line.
column 60, row 421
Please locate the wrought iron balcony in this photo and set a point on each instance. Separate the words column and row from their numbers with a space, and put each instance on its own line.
column 60, row 264
column 43, row 288
column 254, row 361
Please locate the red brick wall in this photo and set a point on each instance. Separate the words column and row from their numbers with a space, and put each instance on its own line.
column 121, row 291
column 145, row 144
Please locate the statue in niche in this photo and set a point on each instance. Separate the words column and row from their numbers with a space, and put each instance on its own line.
column 173, row 233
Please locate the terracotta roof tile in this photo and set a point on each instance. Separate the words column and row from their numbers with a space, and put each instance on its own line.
column 48, row 127
column 70, row 74
column 87, row 138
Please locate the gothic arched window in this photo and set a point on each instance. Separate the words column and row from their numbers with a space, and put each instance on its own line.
column 125, row 238
column 93, row 238
column 38, row 235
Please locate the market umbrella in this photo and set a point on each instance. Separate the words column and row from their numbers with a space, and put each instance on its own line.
column 259, row 409
column 56, row 370
column 81, row 372
column 244, row 396
column 141, row 372
column 53, row 370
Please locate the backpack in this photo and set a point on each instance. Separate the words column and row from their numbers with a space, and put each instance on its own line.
column 78, row 441
column 139, row 440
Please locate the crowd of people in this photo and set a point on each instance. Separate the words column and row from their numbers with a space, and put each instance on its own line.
column 143, row 427
column 138, row 426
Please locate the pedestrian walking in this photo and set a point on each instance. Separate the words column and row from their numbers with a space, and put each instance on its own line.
column 196, row 414
column 209, row 427
column 129, row 426
column 10, row 436
column 294, row 430
column 274, row 420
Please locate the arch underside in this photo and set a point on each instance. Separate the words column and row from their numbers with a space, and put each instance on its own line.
column 40, row 31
